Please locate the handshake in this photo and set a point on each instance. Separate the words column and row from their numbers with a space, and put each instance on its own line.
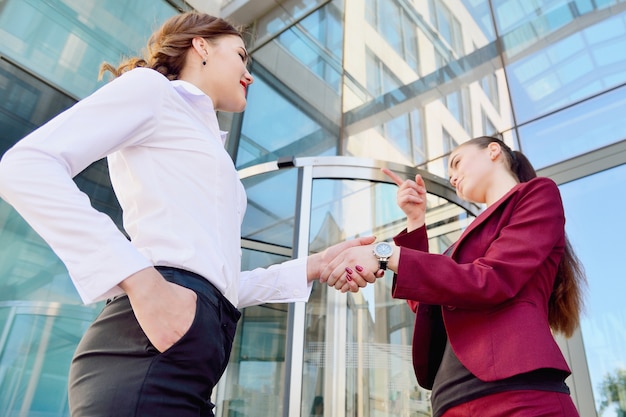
column 350, row 265
column 353, row 264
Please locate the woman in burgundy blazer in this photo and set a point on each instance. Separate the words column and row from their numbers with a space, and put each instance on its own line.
column 486, row 309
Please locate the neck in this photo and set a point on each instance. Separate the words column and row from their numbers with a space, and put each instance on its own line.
column 500, row 189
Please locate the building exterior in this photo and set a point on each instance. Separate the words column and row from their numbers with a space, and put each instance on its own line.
column 342, row 88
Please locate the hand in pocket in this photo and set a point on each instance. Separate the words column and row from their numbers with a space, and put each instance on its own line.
column 165, row 311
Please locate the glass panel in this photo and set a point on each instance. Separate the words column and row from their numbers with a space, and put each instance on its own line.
column 281, row 17
column 37, row 344
column 66, row 41
column 578, row 62
column 270, row 215
column 294, row 105
column 316, row 42
column 597, row 237
column 29, row 270
column 457, row 80
column 253, row 384
column 25, row 104
column 275, row 126
column 480, row 10
column 571, row 132
column 375, row 354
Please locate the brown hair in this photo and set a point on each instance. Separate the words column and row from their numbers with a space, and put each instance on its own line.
column 566, row 301
column 168, row 46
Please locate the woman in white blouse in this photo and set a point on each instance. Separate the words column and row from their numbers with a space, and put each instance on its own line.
column 174, row 289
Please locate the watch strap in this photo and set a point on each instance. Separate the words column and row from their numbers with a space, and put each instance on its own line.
column 382, row 264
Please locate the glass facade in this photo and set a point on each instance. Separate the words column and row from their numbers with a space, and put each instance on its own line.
column 50, row 53
column 342, row 88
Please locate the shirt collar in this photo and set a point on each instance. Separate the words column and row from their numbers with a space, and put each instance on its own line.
column 189, row 90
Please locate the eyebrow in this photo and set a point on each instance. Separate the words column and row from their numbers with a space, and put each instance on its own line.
column 451, row 163
column 245, row 53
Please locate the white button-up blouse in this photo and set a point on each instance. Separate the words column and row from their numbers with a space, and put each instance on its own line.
column 181, row 196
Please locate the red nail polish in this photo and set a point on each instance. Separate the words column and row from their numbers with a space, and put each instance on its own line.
column 348, row 270
column 348, row 277
column 359, row 268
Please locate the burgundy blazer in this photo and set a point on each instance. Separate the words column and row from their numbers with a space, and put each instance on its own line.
column 493, row 289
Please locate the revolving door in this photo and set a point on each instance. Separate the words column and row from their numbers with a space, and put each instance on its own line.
column 338, row 354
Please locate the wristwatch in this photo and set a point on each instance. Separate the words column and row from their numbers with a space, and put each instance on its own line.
column 383, row 250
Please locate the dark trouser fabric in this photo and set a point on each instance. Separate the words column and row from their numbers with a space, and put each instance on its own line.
column 117, row 372
column 527, row 403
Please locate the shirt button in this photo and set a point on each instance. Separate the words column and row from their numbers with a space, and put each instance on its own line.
column 451, row 308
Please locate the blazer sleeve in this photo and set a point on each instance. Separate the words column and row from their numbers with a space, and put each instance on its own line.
column 493, row 262
column 418, row 240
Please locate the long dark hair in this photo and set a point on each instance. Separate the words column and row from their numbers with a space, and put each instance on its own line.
column 566, row 301
column 168, row 46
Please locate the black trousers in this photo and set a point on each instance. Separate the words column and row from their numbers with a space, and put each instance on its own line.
column 117, row 372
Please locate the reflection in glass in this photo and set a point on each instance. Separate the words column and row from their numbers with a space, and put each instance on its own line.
column 270, row 214
column 316, row 43
column 448, row 25
column 254, row 381
column 26, row 104
column 360, row 343
column 574, row 131
column 277, row 19
column 253, row 385
column 435, row 62
column 578, row 63
column 598, row 238
column 36, row 346
column 275, row 126
column 66, row 41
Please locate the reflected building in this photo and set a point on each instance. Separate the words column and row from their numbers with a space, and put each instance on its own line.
column 342, row 88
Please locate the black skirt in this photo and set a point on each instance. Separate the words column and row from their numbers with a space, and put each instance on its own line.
column 116, row 371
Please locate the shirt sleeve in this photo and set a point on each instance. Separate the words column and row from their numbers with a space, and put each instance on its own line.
column 36, row 178
column 282, row 283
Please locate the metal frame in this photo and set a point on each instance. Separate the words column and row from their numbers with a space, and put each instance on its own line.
column 330, row 167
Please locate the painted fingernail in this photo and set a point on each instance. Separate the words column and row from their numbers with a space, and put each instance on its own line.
column 349, row 277
column 348, row 270
column 359, row 268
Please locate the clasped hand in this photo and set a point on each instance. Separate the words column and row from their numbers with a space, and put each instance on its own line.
column 352, row 269
column 353, row 265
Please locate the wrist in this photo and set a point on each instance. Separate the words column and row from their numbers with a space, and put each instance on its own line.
column 141, row 282
column 414, row 224
column 313, row 263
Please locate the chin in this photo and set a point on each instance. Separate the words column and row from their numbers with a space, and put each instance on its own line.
column 234, row 107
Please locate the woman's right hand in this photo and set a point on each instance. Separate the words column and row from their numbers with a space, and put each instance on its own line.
column 411, row 198
column 164, row 310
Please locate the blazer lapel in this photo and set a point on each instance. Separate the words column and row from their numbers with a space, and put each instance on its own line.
column 482, row 217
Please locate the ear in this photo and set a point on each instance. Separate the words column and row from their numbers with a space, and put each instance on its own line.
column 199, row 44
column 495, row 150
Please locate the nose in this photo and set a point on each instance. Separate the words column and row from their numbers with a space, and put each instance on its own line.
column 453, row 181
column 248, row 77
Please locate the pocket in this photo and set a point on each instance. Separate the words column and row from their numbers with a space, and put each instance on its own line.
column 191, row 329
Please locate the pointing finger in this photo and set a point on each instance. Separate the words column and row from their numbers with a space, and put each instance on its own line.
column 394, row 177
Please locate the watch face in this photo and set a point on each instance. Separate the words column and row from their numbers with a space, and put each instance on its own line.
column 383, row 249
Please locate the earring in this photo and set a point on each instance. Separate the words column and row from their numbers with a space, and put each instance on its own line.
column 203, row 62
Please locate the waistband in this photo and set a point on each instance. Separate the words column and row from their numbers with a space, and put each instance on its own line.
column 200, row 285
